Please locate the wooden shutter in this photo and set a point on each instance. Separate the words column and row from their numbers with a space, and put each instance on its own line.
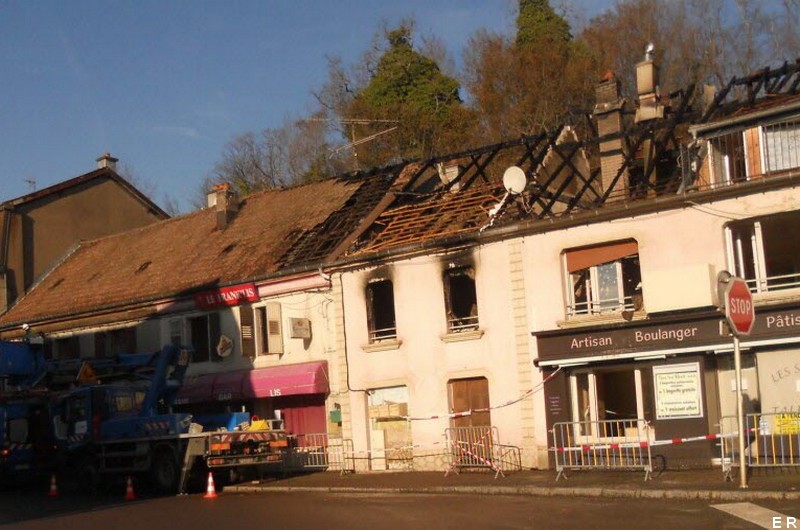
column 246, row 330
column 274, row 328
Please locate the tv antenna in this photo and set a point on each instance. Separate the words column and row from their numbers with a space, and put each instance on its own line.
column 352, row 122
column 31, row 183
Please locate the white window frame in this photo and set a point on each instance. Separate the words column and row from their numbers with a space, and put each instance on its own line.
column 593, row 410
column 594, row 306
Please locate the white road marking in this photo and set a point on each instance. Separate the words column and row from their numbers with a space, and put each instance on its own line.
column 757, row 515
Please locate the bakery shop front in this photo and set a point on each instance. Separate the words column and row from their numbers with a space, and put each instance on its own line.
column 674, row 372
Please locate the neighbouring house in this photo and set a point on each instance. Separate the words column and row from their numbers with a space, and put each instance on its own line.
column 238, row 282
column 38, row 229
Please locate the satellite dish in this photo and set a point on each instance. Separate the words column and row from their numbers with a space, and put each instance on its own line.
column 514, row 180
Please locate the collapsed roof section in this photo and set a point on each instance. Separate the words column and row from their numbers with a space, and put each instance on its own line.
column 623, row 153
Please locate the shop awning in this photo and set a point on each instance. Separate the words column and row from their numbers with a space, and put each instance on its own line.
column 288, row 380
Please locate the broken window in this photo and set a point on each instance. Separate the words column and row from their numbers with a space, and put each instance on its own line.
column 604, row 279
column 761, row 253
column 380, row 311
column 460, row 300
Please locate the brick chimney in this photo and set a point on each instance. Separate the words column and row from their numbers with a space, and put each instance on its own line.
column 107, row 161
column 650, row 107
column 225, row 202
column 608, row 113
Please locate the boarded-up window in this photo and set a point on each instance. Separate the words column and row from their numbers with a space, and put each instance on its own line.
column 470, row 395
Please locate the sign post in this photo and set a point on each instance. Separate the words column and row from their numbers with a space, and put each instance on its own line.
column 740, row 314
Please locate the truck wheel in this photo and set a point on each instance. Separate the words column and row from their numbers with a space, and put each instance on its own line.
column 164, row 472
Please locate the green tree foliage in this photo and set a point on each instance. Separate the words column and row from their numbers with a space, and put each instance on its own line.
column 526, row 84
column 539, row 25
column 407, row 90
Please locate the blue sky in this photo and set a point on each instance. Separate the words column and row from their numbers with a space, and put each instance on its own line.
column 163, row 85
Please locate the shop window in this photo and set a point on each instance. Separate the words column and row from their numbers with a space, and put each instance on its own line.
column 604, row 279
column 380, row 311
column 204, row 334
column 270, row 334
column 782, row 146
column 460, row 299
column 390, row 433
column 607, row 402
column 762, row 252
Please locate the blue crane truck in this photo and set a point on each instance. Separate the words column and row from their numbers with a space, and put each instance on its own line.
column 113, row 417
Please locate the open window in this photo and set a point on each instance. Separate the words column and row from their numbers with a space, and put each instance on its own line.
column 380, row 311
column 204, row 333
column 460, row 300
column 763, row 252
column 604, row 279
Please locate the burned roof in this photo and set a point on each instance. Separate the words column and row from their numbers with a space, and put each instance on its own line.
column 463, row 194
column 177, row 257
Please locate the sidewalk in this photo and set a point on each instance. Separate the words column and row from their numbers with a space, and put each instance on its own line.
column 772, row 484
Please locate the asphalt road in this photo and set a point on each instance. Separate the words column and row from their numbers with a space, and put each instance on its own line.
column 33, row 510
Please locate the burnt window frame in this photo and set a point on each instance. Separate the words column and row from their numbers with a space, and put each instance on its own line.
column 460, row 321
column 381, row 324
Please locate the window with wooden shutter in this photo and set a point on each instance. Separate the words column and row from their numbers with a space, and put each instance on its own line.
column 247, row 331
column 274, row 328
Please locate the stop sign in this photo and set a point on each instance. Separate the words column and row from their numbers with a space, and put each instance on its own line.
column 739, row 308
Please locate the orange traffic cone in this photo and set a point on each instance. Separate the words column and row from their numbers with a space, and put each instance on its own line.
column 211, row 492
column 53, row 487
column 129, row 494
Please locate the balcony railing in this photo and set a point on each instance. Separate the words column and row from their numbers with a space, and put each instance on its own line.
column 774, row 283
column 459, row 324
column 595, row 307
column 379, row 335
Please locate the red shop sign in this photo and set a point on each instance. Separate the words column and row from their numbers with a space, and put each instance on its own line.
column 227, row 296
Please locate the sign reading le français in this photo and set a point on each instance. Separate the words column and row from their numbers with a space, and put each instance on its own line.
column 227, row 296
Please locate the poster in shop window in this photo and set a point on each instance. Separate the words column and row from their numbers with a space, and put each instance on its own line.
column 678, row 391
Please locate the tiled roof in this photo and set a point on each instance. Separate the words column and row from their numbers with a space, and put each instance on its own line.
column 188, row 253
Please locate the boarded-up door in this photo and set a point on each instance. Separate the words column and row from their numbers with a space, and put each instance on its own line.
column 470, row 394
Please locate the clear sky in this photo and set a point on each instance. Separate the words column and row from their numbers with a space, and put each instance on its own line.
column 164, row 84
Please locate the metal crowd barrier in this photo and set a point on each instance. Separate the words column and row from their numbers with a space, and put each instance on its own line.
column 476, row 448
column 607, row 445
column 319, row 451
column 772, row 440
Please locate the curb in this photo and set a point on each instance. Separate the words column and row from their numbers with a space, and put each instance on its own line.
column 538, row 491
